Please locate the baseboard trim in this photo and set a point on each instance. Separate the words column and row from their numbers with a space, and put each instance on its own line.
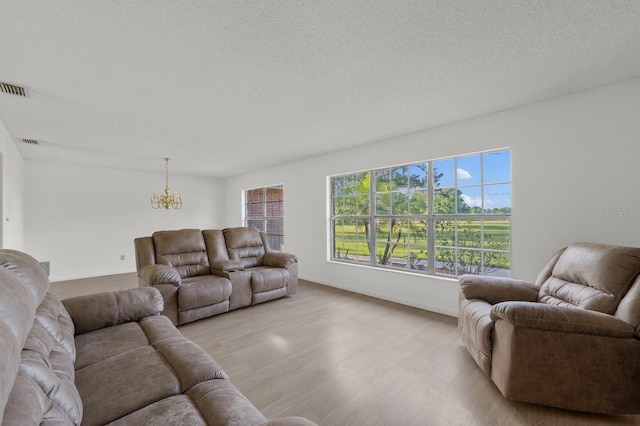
column 400, row 300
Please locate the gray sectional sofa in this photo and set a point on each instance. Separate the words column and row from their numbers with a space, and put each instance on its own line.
column 208, row 272
column 108, row 358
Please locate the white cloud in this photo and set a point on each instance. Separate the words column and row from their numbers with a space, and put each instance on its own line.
column 463, row 174
column 471, row 201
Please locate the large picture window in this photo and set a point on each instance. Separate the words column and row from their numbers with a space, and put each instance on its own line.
column 449, row 216
column 264, row 210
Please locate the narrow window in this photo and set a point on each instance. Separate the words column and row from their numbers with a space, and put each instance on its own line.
column 264, row 210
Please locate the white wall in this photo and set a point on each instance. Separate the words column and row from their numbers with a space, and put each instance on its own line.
column 82, row 219
column 12, row 205
column 574, row 178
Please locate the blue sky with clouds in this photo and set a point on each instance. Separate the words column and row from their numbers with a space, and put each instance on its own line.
column 489, row 172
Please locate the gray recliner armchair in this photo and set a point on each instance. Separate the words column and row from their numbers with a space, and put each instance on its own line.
column 570, row 340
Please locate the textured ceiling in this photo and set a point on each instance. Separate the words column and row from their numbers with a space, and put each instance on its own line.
column 225, row 87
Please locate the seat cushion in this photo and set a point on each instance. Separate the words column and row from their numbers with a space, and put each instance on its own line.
column 476, row 329
column 175, row 410
column 204, row 290
column 131, row 378
column 122, row 384
column 266, row 279
column 214, row 402
column 107, row 342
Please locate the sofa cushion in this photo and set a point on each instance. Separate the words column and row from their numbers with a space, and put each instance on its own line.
column 175, row 410
column 44, row 387
column 17, row 306
column 591, row 276
column 94, row 311
column 184, row 250
column 265, row 278
column 108, row 342
column 214, row 402
column 122, row 384
column 28, row 405
column 31, row 273
column 137, row 364
column 205, row 290
column 56, row 382
column 265, row 296
column 9, row 365
column 245, row 245
column 204, row 312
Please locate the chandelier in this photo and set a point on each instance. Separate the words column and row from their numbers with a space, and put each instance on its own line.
column 168, row 200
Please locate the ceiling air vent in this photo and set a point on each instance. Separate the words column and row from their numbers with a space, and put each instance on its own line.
column 30, row 141
column 12, row 89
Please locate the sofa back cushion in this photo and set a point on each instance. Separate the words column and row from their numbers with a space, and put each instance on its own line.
column 17, row 310
column 44, row 388
column 184, row 250
column 245, row 245
column 37, row 347
column 591, row 276
column 28, row 269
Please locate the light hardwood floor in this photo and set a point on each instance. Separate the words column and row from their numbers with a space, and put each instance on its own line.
column 339, row 358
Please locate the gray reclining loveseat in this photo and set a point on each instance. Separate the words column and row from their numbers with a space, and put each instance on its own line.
column 205, row 273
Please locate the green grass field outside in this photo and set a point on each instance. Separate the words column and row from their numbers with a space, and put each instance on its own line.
column 351, row 239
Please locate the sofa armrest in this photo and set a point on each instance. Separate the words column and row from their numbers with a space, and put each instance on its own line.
column 497, row 289
column 278, row 259
column 101, row 310
column 160, row 274
column 227, row 266
column 560, row 319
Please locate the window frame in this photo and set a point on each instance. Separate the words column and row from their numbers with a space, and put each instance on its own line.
column 430, row 219
column 266, row 216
